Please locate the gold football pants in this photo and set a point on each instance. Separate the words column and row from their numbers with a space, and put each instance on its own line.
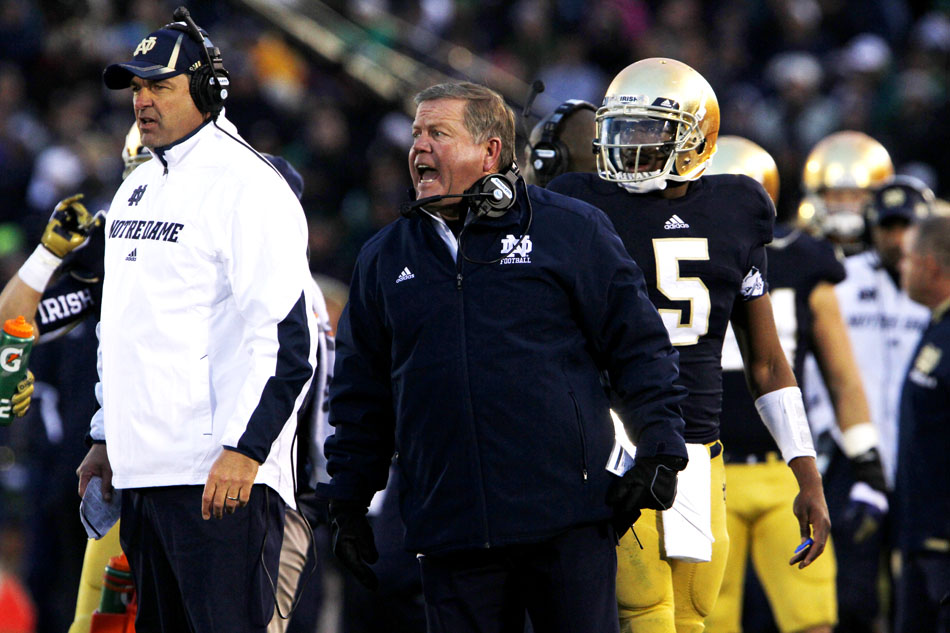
column 94, row 564
column 761, row 525
column 655, row 595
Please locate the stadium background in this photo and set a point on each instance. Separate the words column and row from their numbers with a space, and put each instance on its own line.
column 328, row 85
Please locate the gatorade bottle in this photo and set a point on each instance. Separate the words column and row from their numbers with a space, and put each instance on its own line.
column 15, row 345
column 117, row 586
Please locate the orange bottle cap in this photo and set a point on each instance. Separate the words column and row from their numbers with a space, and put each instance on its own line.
column 18, row 327
column 120, row 563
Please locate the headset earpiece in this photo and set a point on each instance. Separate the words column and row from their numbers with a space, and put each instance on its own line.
column 499, row 191
column 209, row 86
column 549, row 156
column 209, row 83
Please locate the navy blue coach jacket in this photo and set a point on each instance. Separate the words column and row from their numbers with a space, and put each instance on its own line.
column 487, row 380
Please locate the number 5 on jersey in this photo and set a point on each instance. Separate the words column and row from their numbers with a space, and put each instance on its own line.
column 669, row 252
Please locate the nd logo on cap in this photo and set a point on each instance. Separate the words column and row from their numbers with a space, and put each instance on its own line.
column 145, row 46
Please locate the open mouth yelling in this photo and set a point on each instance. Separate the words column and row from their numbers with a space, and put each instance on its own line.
column 427, row 175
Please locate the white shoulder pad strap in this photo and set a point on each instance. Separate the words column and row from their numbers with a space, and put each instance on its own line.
column 783, row 413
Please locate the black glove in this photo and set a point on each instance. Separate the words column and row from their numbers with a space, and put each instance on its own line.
column 352, row 540
column 868, row 497
column 650, row 483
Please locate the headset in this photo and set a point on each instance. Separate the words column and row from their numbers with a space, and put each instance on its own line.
column 492, row 196
column 209, row 83
column 495, row 194
column 549, row 156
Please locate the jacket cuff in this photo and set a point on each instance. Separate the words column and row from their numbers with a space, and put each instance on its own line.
column 89, row 440
column 242, row 452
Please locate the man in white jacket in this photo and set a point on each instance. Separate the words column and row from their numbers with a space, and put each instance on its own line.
column 207, row 347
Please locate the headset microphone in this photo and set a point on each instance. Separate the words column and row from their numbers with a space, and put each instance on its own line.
column 537, row 87
column 407, row 208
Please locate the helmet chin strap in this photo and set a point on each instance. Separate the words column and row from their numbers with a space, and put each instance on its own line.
column 645, row 186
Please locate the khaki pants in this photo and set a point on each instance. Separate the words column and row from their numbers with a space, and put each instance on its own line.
column 293, row 558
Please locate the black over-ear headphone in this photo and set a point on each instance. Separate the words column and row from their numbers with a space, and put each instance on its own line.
column 209, row 83
column 494, row 194
column 550, row 157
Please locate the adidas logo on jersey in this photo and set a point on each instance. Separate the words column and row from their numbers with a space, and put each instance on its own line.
column 131, row 256
column 405, row 275
column 675, row 222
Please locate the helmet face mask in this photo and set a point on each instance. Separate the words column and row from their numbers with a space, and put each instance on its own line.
column 639, row 147
column 659, row 122
column 843, row 212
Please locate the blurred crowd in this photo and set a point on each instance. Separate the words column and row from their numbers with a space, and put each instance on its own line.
column 787, row 73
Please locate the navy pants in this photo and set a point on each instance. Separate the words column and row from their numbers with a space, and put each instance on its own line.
column 196, row 575
column 566, row 584
column 924, row 583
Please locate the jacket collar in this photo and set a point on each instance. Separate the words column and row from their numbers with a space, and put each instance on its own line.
column 175, row 152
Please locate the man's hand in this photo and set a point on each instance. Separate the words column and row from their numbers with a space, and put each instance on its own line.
column 810, row 509
column 96, row 462
column 650, row 483
column 24, row 395
column 868, row 497
column 229, row 484
column 68, row 227
column 352, row 541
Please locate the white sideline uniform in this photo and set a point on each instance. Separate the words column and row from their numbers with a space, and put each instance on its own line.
column 207, row 336
column 884, row 327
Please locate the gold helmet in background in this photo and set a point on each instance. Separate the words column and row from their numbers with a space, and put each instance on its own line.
column 839, row 175
column 658, row 123
column 133, row 153
column 738, row 155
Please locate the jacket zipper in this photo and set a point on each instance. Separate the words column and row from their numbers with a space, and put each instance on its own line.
column 470, row 412
column 580, row 432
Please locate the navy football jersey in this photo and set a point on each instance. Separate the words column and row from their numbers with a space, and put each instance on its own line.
column 700, row 254
column 77, row 291
column 797, row 263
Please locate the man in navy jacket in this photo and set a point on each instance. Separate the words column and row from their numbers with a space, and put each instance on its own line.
column 482, row 335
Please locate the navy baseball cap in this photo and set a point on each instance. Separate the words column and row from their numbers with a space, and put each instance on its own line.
column 165, row 53
column 901, row 198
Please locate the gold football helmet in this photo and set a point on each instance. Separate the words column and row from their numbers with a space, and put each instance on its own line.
column 839, row 174
column 133, row 153
column 659, row 122
column 738, row 155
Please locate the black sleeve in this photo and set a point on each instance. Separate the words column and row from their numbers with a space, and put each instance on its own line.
column 827, row 265
column 361, row 447
column 65, row 303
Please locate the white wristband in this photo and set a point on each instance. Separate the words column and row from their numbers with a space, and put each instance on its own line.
column 858, row 439
column 38, row 268
column 783, row 413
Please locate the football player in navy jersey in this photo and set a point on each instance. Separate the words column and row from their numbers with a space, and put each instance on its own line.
column 701, row 245
column 801, row 275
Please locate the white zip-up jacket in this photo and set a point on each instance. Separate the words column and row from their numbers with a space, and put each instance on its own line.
column 207, row 337
column 884, row 326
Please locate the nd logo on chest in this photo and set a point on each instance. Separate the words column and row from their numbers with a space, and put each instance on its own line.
column 516, row 249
